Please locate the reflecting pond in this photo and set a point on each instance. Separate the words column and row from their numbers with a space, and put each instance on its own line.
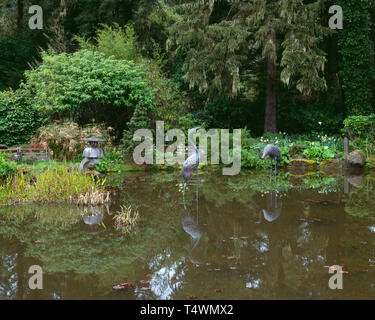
column 242, row 237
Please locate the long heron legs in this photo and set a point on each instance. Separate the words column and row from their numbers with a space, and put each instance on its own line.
column 271, row 167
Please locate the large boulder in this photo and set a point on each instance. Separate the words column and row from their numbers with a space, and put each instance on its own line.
column 355, row 159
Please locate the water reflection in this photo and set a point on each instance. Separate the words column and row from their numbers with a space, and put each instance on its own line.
column 190, row 224
column 273, row 208
column 93, row 216
column 310, row 222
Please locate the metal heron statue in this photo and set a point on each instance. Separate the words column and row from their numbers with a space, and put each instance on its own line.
column 191, row 163
column 273, row 152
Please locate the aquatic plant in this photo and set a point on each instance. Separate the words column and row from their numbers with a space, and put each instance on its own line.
column 126, row 217
column 54, row 184
column 93, row 198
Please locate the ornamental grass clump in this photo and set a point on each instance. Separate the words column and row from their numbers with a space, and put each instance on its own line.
column 54, row 184
column 126, row 218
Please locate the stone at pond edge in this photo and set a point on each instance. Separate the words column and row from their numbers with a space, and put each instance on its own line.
column 355, row 159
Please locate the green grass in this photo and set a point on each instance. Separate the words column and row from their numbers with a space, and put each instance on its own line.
column 53, row 184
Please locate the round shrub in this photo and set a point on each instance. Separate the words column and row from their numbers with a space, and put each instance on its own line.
column 87, row 85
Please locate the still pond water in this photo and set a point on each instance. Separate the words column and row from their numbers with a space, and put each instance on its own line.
column 241, row 237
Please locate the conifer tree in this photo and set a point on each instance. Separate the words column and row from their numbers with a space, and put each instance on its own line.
column 220, row 54
column 139, row 120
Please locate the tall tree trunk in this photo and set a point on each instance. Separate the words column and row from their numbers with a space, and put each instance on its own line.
column 20, row 6
column 270, row 114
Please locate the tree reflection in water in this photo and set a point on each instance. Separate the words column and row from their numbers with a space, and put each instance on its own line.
column 308, row 224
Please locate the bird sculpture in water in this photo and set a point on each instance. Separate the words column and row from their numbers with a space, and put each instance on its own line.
column 191, row 163
column 191, row 227
column 271, row 151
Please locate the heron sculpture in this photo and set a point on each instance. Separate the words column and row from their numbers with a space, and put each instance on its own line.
column 273, row 152
column 191, row 163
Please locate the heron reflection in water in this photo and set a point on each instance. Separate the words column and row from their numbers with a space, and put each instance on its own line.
column 191, row 226
column 273, row 208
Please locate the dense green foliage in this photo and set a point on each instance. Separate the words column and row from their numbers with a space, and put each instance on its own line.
column 362, row 127
column 7, row 168
column 357, row 52
column 18, row 118
column 318, row 148
column 361, row 132
column 113, row 41
column 139, row 120
column 215, row 63
column 86, row 85
column 121, row 44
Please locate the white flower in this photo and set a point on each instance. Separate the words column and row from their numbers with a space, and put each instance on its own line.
column 320, row 123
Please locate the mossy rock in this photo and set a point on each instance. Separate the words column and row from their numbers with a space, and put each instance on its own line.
column 301, row 163
column 355, row 159
column 362, row 154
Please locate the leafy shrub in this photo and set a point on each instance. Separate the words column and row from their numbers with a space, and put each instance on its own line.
column 65, row 139
column 86, row 85
column 362, row 127
column 320, row 148
column 171, row 102
column 7, row 168
column 113, row 41
column 18, row 119
column 250, row 159
column 361, row 131
column 109, row 161
column 318, row 152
